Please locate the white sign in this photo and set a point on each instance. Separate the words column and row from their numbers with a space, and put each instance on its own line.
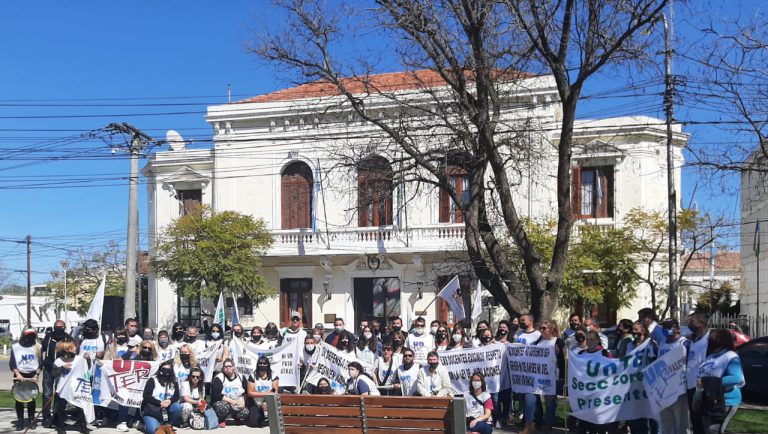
column 532, row 368
column 664, row 379
column 602, row 390
column 462, row 363
column 75, row 387
column 332, row 364
column 283, row 360
column 206, row 360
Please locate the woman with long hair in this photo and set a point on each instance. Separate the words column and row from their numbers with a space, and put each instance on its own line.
column 442, row 339
column 192, row 392
column 160, row 403
column 185, row 360
column 165, row 351
column 386, row 369
column 479, row 406
column 216, row 337
column 398, row 342
column 62, row 367
column 359, row 382
column 260, row 384
column 368, row 346
column 550, row 337
column 459, row 338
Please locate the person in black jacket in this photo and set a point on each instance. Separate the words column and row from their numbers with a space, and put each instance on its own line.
column 161, row 399
column 48, row 355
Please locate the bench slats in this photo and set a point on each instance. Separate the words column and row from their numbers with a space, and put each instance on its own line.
column 398, row 431
column 316, row 410
column 292, row 399
column 315, row 430
column 405, row 423
column 323, row 420
column 412, row 402
column 406, row 413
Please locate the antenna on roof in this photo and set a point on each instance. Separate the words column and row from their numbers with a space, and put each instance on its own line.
column 229, row 92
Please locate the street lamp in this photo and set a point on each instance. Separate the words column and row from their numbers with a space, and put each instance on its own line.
column 65, row 265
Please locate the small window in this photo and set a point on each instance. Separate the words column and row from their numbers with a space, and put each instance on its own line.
column 296, row 296
column 374, row 192
column 592, row 192
column 190, row 201
column 189, row 311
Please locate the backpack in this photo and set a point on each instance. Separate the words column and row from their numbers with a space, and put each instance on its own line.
column 713, row 398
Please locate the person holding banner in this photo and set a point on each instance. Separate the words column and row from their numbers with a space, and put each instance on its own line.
column 724, row 364
column 624, row 338
column 533, row 409
column 25, row 365
column 185, row 361
column 144, row 351
column 48, row 356
column 433, row 379
column 228, row 393
column 674, row 419
column 307, row 360
column 62, row 367
column 216, row 336
column 294, row 331
column 641, row 334
column 272, row 336
column 258, row 341
column 698, row 342
column 160, row 400
column 198, row 345
column 119, row 345
column 479, row 408
column 92, row 344
column 359, row 382
column 260, row 384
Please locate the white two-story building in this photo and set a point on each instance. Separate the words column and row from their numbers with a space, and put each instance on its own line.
column 355, row 242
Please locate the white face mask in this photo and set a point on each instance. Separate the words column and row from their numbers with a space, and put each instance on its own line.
column 433, row 330
column 339, row 329
column 317, row 337
column 419, row 330
column 368, row 335
column 457, row 337
column 477, row 384
column 215, row 335
column 309, row 347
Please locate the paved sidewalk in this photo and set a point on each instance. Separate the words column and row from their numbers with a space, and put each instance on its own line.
column 8, row 416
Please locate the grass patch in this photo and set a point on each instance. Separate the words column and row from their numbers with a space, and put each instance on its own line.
column 7, row 401
column 749, row 421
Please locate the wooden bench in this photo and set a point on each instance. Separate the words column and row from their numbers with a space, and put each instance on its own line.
column 347, row 414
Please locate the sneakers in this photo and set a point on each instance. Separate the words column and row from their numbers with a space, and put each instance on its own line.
column 20, row 425
column 222, row 424
column 122, row 427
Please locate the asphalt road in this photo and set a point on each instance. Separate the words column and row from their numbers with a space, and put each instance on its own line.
column 6, row 377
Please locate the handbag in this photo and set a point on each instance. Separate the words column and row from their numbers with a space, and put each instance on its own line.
column 197, row 421
column 713, row 398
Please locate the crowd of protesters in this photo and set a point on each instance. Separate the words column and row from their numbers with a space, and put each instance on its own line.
column 405, row 362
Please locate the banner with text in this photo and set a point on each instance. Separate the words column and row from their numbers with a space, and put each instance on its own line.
column 664, row 379
column 602, row 390
column 332, row 364
column 123, row 381
column 532, row 368
column 75, row 388
column 206, row 360
column 462, row 363
column 283, row 360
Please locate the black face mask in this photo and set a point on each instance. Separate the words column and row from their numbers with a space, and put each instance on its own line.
column 396, row 328
column 501, row 333
column 479, row 333
column 271, row 333
column 145, row 354
column 239, row 333
column 513, row 327
column 68, row 355
column 255, row 338
column 580, row 338
column 27, row 341
column 90, row 333
column 165, row 373
column 324, row 390
column 59, row 331
column 573, row 325
column 441, row 336
column 191, row 339
column 178, row 335
column 397, row 343
column 121, row 340
column 433, row 365
column 184, row 359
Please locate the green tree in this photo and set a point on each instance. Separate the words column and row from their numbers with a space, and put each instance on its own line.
column 204, row 253
column 717, row 299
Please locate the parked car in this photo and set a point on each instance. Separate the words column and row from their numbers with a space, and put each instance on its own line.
column 754, row 361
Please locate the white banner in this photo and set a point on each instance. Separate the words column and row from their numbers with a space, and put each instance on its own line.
column 532, row 368
column 462, row 363
column 75, row 387
column 664, row 379
column 123, row 381
column 283, row 360
column 206, row 360
column 97, row 304
column 602, row 390
column 332, row 364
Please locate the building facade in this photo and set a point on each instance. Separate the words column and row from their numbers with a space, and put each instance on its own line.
column 358, row 242
column 754, row 209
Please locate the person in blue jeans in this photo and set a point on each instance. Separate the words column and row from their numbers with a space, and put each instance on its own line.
column 479, row 406
column 161, row 399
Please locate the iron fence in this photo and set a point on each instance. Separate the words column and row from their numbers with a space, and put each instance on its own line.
column 751, row 326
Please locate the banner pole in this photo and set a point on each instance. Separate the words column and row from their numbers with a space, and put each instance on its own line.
column 565, row 391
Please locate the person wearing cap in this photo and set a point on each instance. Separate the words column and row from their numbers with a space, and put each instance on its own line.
column 91, row 345
column 25, row 365
column 48, row 356
column 294, row 332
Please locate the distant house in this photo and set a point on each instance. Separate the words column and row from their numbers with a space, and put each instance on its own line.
column 702, row 274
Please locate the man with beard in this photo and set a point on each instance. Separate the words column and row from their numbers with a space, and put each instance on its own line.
column 48, row 355
column 406, row 375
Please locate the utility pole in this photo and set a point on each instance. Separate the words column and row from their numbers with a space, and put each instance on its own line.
column 65, row 266
column 29, row 280
column 669, row 109
column 138, row 141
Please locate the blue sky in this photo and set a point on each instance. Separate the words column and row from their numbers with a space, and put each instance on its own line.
column 71, row 67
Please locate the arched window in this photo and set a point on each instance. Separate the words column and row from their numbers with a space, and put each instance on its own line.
column 458, row 177
column 374, row 192
column 296, row 196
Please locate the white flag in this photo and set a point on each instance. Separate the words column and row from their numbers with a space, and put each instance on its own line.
column 477, row 300
column 206, row 360
column 218, row 316
column 450, row 293
column 97, row 305
column 407, row 315
column 75, row 387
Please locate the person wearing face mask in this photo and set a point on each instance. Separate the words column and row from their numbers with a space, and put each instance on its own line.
column 178, row 332
column 216, row 337
column 395, row 327
column 420, row 341
column 91, row 344
column 323, row 387
column 184, row 362
column 193, row 340
column 640, row 335
column 25, row 365
column 624, row 338
column 132, row 330
column 594, row 348
column 359, row 382
column 592, row 325
column 338, row 332
column 258, row 341
column 272, row 335
column 573, row 322
column 433, row 378
column 385, row 369
column 724, row 364
column 578, row 341
column 481, row 327
column 192, row 393
column 528, row 333
column 144, row 351
column 48, row 355
column 317, row 334
column 442, row 340
column 164, row 349
column 433, row 326
column 459, row 338
column 62, row 366
column 533, row 411
column 228, row 393
column 294, row 332
column 238, row 334
column 486, row 338
column 119, row 345
column 160, row 403
column 674, row 418
column 502, row 332
column 698, row 341
column 368, row 347
column 307, row 361
column 261, row 384
column 148, row 334
column 479, row 407
column 406, row 375
column 376, row 330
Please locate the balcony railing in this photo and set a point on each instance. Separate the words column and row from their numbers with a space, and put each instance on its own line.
column 441, row 237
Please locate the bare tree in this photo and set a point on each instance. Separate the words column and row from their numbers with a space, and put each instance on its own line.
column 474, row 50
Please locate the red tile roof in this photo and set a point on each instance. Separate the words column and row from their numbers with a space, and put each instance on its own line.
column 723, row 261
column 388, row 82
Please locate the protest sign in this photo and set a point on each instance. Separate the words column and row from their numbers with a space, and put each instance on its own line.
column 462, row 363
column 532, row 368
column 123, row 381
column 75, row 387
column 664, row 379
column 602, row 390
column 283, row 360
column 206, row 360
column 332, row 364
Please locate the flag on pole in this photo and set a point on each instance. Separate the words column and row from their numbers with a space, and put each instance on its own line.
column 407, row 315
column 235, row 313
column 75, row 387
column 477, row 300
column 97, row 304
column 756, row 241
column 218, row 316
column 450, row 293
